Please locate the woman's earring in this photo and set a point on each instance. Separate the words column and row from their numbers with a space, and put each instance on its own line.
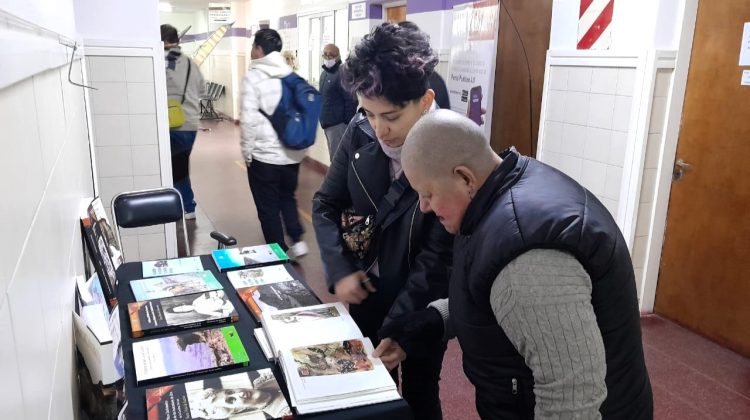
column 424, row 112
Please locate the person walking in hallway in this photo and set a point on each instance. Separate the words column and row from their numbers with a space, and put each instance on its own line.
column 186, row 86
column 272, row 169
column 339, row 105
column 542, row 292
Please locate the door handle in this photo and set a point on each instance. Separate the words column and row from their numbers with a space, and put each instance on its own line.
column 680, row 167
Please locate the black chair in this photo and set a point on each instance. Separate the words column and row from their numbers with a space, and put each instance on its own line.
column 155, row 207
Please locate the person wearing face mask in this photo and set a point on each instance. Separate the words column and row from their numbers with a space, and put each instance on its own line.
column 380, row 254
column 338, row 105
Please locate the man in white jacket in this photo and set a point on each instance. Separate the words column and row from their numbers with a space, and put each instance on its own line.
column 272, row 169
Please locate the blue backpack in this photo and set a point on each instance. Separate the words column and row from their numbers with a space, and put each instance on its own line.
column 295, row 119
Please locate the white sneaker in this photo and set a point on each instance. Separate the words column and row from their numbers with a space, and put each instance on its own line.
column 298, row 249
column 190, row 215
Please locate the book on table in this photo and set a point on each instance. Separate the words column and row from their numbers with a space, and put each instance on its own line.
column 187, row 354
column 276, row 296
column 257, row 276
column 247, row 395
column 97, row 247
column 326, row 362
column 180, row 313
column 98, row 215
column 174, row 285
column 228, row 259
column 174, row 266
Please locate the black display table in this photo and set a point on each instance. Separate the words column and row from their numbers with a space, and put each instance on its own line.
column 136, row 395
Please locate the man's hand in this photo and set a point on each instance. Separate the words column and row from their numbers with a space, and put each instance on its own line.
column 354, row 288
column 417, row 331
column 390, row 353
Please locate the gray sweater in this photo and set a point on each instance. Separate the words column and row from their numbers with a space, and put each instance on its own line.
column 542, row 301
column 177, row 79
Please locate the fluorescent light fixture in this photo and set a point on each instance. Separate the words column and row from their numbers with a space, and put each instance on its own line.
column 165, row 7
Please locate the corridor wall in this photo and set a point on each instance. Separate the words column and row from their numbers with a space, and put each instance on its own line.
column 45, row 180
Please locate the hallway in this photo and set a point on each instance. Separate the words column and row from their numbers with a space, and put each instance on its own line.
column 692, row 378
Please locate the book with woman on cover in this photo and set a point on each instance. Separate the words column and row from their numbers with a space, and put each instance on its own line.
column 180, row 313
column 174, row 285
column 187, row 354
column 276, row 296
column 250, row 256
column 247, row 396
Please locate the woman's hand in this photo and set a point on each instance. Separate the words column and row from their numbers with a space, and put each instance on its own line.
column 353, row 288
column 390, row 353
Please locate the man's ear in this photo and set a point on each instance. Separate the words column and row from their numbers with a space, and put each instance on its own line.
column 467, row 175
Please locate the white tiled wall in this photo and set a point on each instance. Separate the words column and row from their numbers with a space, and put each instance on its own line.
column 586, row 126
column 126, row 140
column 648, row 185
column 46, row 176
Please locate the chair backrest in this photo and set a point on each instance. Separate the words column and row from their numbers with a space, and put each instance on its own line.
column 147, row 208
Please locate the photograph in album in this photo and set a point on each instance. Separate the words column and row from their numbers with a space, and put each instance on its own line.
column 169, row 267
column 331, row 359
column 276, row 296
column 188, row 353
column 258, row 276
column 246, row 396
column 174, row 285
column 180, row 313
column 248, row 257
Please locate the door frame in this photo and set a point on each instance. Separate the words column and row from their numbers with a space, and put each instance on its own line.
column 668, row 156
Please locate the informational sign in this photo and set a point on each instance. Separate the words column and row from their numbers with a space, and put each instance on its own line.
column 745, row 46
column 219, row 14
column 745, row 78
column 471, row 78
column 359, row 10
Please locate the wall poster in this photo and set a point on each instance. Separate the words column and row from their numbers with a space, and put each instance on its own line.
column 471, row 78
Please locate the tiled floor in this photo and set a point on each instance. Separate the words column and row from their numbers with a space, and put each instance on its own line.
column 692, row 377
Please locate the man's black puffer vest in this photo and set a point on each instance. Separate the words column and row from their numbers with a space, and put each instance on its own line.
column 525, row 205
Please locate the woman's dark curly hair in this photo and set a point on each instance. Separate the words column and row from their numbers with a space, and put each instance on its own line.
column 392, row 62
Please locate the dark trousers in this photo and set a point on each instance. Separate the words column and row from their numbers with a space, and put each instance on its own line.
column 181, row 143
column 273, row 188
column 420, row 375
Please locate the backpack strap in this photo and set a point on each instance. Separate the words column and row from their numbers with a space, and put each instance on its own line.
column 187, row 79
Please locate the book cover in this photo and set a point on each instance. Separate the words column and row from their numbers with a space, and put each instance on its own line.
column 258, row 276
column 249, row 256
column 175, row 285
column 247, row 396
column 170, row 267
column 188, row 353
column 180, row 313
column 100, row 257
column 97, row 213
column 276, row 296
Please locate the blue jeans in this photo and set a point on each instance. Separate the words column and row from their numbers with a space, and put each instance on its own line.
column 182, row 144
column 273, row 189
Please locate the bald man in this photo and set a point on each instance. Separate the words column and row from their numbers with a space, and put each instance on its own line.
column 338, row 105
column 542, row 293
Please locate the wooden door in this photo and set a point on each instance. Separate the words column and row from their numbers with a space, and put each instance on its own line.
column 519, row 73
column 395, row 14
column 704, row 278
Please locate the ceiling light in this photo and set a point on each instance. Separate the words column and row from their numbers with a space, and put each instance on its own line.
column 165, row 7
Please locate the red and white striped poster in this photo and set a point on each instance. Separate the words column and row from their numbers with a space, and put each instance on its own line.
column 595, row 24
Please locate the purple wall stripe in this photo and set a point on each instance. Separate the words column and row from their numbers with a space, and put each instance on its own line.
column 420, row 6
column 375, row 11
column 288, row 22
column 241, row 32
